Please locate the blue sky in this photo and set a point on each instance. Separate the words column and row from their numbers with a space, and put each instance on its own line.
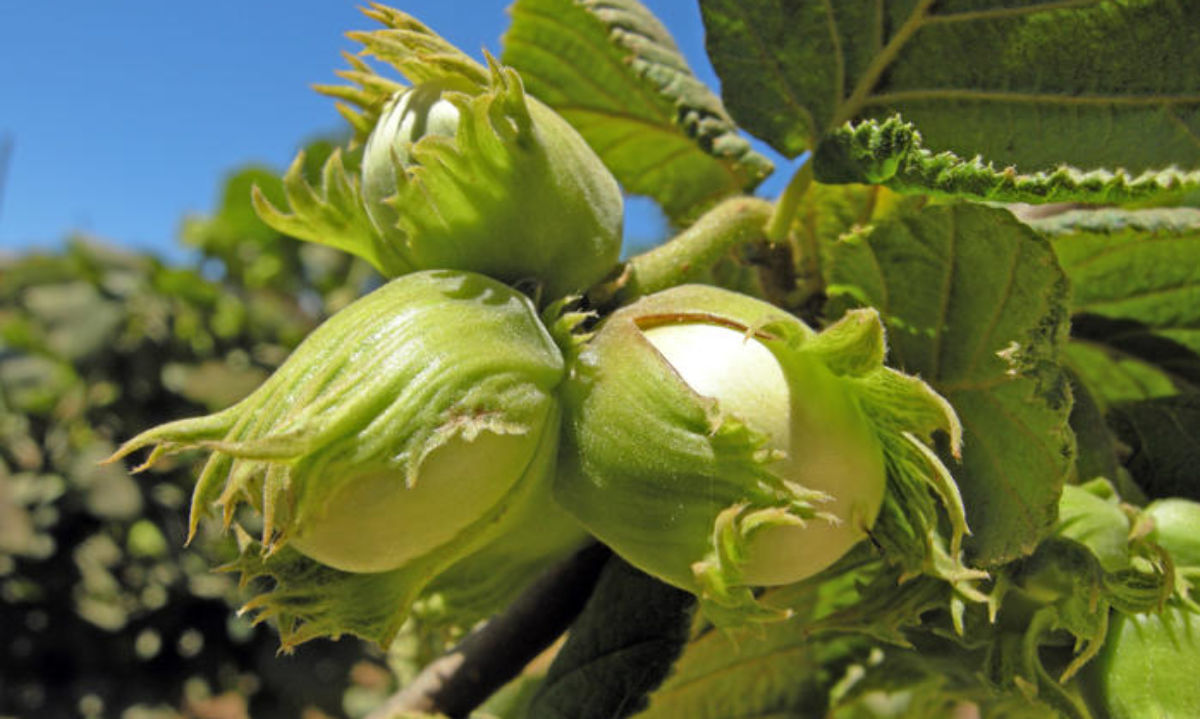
column 124, row 116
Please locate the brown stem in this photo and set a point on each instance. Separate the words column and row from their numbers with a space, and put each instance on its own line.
column 463, row 678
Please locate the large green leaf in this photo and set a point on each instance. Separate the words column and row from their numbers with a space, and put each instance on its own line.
column 1163, row 436
column 785, row 670
column 779, row 673
column 614, row 72
column 1090, row 83
column 975, row 304
column 1136, row 298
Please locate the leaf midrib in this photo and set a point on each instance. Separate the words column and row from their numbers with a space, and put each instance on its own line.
column 861, row 97
column 768, row 59
column 879, row 64
column 1048, row 98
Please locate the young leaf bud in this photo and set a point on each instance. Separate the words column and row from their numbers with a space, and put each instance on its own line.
column 718, row 443
column 407, row 432
column 488, row 179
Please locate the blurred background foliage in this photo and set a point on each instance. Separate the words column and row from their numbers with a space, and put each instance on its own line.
column 103, row 610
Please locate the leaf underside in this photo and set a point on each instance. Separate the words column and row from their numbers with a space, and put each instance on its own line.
column 975, row 305
column 1035, row 85
column 614, row 72
column 1136, row 299
column 1164, row 439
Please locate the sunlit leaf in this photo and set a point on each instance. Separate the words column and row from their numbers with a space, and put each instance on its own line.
column 975, row 304
column 614, row 72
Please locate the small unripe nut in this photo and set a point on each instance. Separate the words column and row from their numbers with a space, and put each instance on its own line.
column 709, row 444
column 1147, row 667
column 413, row 422
column 490, row 180
column 808, row 418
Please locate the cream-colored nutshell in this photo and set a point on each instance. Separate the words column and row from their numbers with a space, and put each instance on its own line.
column 390, row 433
column 718, row 443
column 824, row 441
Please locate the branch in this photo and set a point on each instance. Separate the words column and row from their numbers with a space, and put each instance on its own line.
column 690, row 254
column 463, row 678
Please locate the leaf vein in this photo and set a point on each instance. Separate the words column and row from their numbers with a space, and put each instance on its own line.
column 1131, row 247
column 602, row 50
column 1010, row 12
column 1191, row 284
column 839, row 56
column 514, row 40
column 944, row 310
column 1176, row 120
column 997, row 312
column 1045, row 98
column 879, row 63
column 572, row 112
column 998, row 465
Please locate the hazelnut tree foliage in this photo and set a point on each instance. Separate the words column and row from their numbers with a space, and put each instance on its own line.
column 981, row 396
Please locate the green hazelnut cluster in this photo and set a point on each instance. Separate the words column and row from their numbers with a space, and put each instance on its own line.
column 440, row 440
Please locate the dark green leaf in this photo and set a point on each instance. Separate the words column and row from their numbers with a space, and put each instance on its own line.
column 1090, row 83
column 975, row 304
column 1136, row 299
column 613, row 71
column 774, row 673
column 621, row 647
column 1163, row 436
column 1123, row 360
column 1095, row 448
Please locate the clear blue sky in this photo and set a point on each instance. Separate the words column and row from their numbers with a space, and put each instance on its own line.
column 125, row 116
